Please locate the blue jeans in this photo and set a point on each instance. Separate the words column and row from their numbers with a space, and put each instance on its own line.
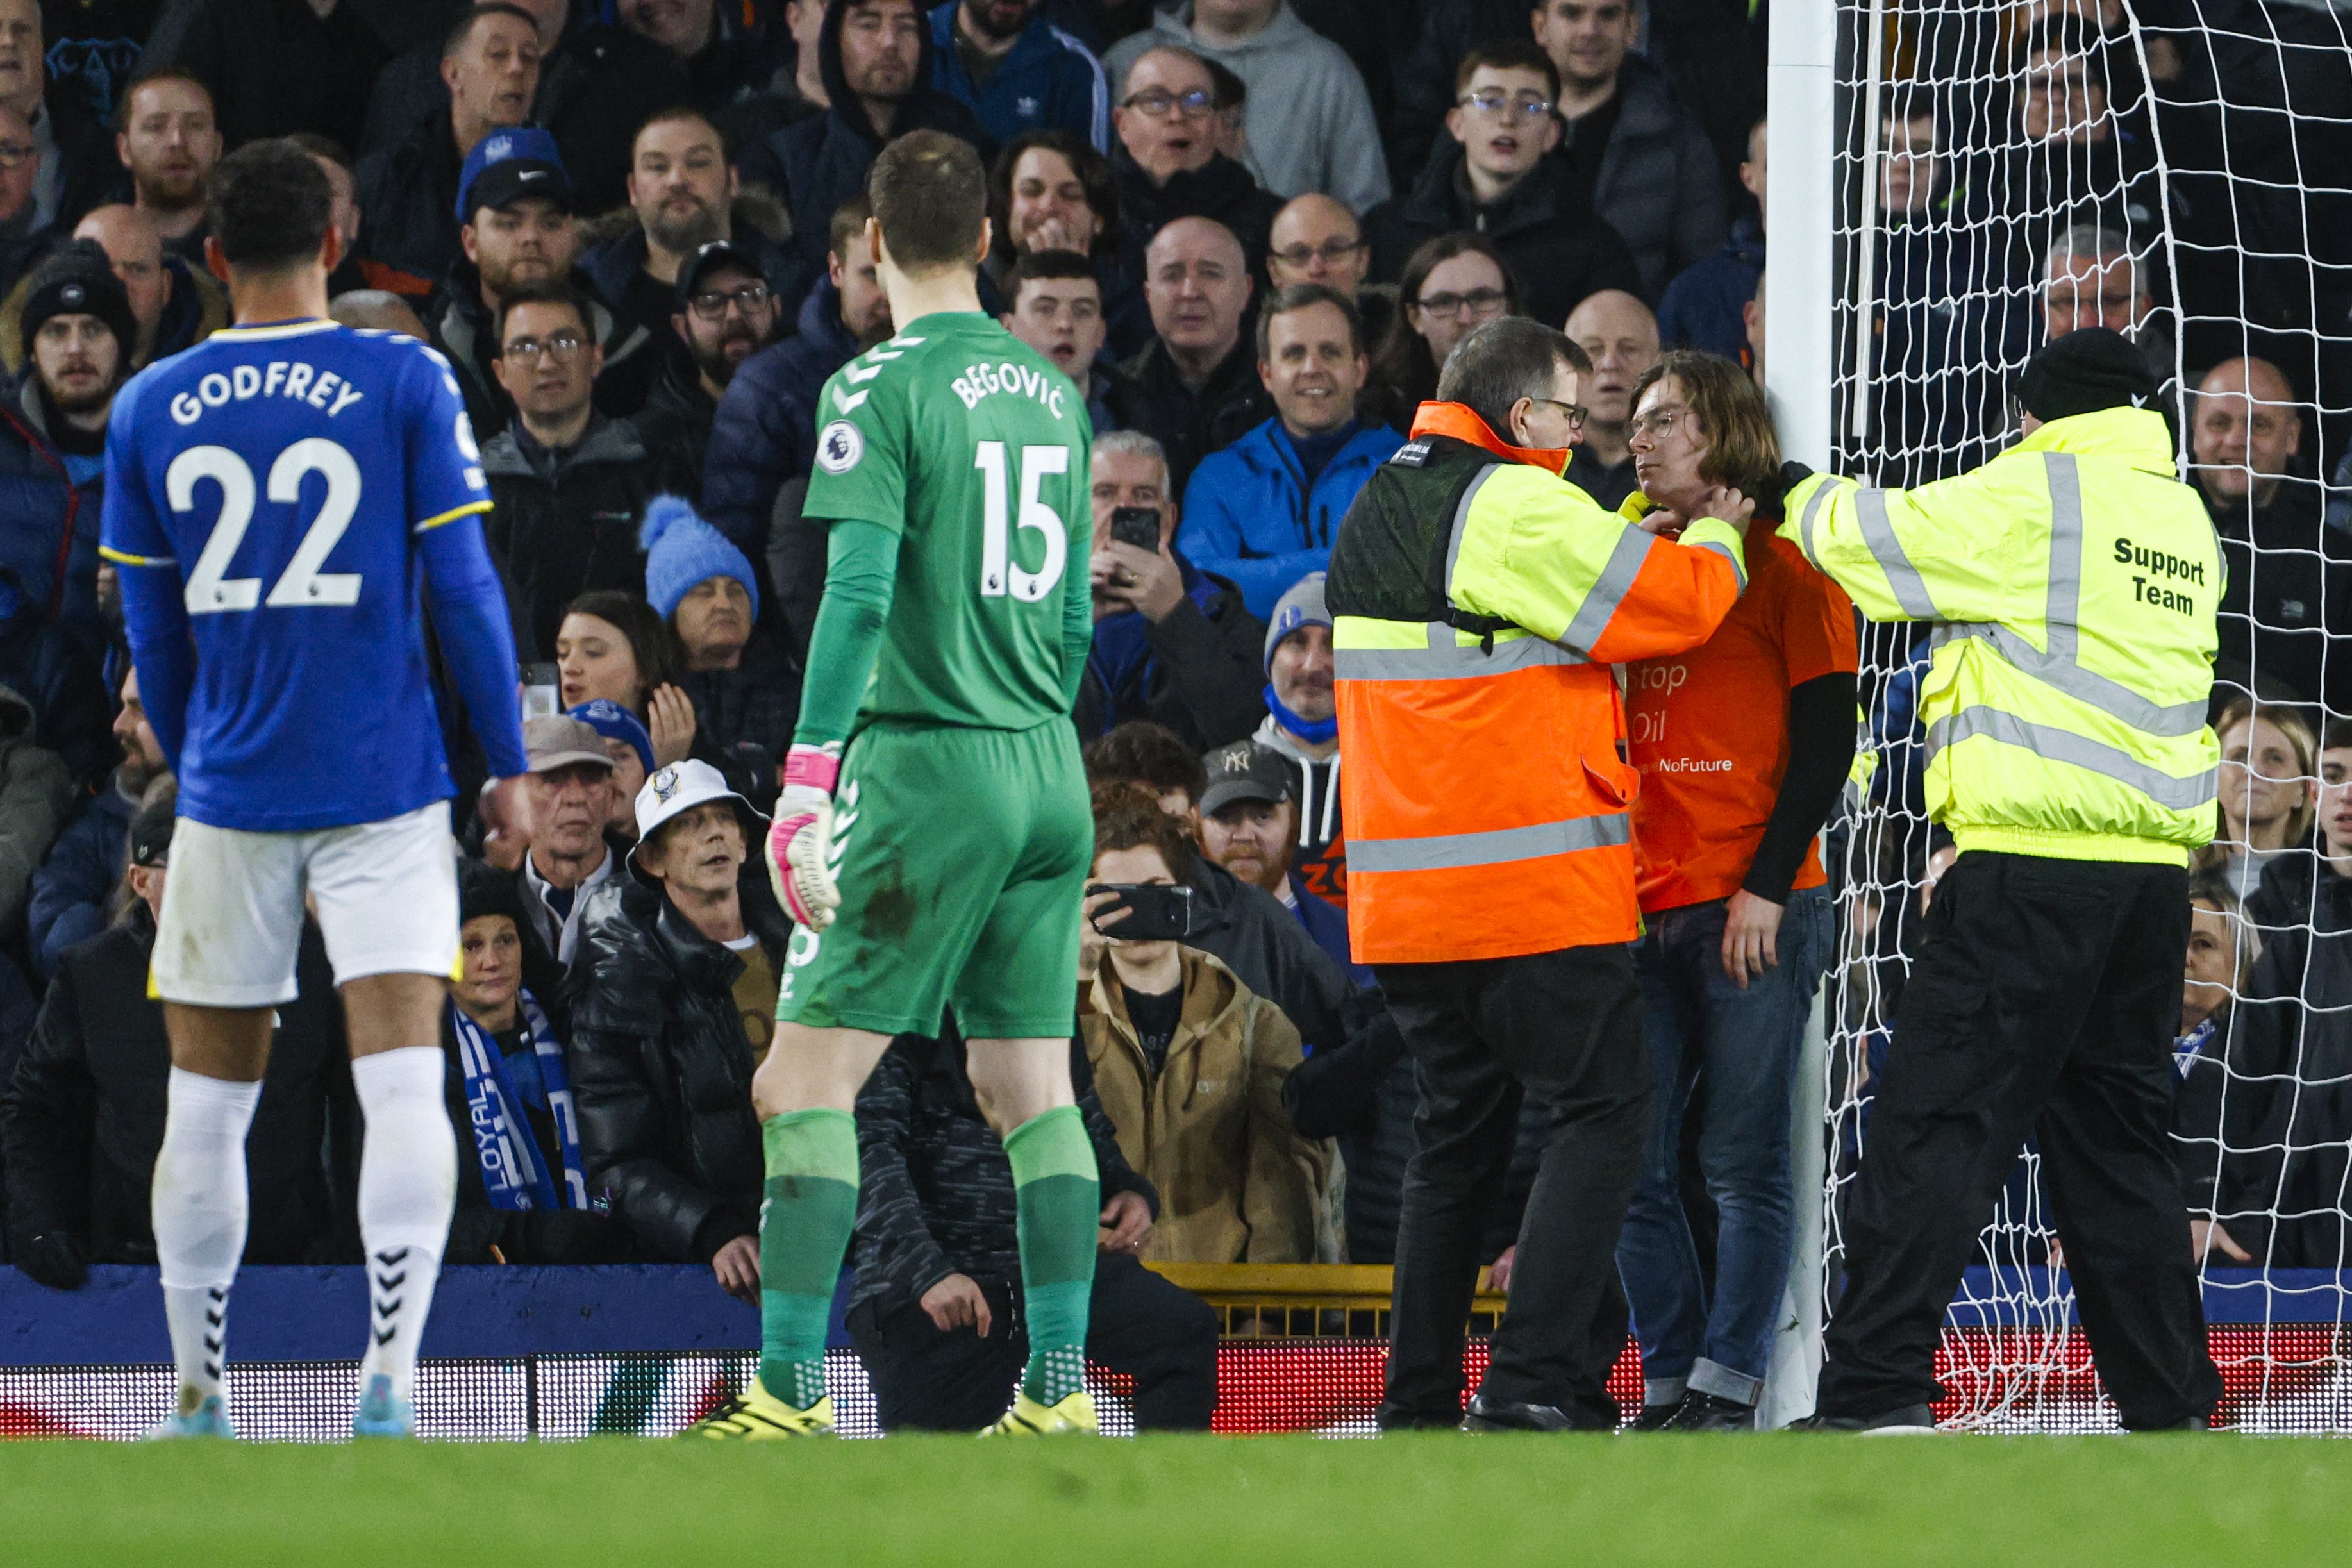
column 1739, row 1050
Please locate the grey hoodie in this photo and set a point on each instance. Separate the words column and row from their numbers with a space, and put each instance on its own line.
column 1309, row 118
column 1320, row 856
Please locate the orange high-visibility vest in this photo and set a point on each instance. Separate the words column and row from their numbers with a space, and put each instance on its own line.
column 1478, row 602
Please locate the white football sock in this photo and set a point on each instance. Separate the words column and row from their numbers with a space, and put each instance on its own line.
column 408, row 1186
column 198, row 1206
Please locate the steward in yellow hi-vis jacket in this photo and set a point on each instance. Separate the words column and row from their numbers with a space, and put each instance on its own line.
column 2075, row 582
column 1478, row 600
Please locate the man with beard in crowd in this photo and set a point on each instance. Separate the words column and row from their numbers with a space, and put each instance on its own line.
column 876, row 57
column 726, row 312
column 71, row 890
column 685, row 197
column 168, row 143
column 76, row 330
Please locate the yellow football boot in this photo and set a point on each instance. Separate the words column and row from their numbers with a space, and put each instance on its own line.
column 1073, row 1416
column 755, row 1416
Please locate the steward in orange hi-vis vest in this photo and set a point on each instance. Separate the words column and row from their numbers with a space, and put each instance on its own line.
column 1478, row 600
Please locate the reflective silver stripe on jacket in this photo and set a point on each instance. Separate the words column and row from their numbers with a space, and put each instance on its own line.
column 1608, row 589
column 2058, row 746
column 1448, row 851
column 1462, row 523
column 1903, row 579
column 2059, row 665
column 1446, row 661
column 1812, row 510
column 1739, row 568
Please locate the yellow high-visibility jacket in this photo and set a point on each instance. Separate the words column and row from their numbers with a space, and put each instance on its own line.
column 2077, row 582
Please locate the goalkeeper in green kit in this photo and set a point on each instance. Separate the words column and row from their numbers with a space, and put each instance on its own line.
column 937, row 858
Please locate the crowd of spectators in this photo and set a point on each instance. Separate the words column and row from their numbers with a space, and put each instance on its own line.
column 1250, row 232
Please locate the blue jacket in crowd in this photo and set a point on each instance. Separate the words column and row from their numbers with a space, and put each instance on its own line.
column 1251, row 515
column 72, row 888
column 1050, row 81
column 1702, row 308
column 49, row 506
column 765, row 430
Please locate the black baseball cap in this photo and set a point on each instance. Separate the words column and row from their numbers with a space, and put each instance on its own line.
column 151, row 830
column 1244, row 771
column 719, row 253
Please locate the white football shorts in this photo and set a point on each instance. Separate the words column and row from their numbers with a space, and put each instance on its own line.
column 385, row 894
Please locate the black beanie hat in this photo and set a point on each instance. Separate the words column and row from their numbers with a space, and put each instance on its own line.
column 484, row 889
column 2085, row 372
column 79, row 281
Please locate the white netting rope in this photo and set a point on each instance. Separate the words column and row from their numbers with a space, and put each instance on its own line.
column 2180, row 170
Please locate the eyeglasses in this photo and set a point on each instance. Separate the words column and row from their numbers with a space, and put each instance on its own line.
column 1504, row 107
column 712, row 306
column 13, row 153
column 1332, row 251
column 1657, row 426
column 1477, row 303
column 1574, row 413
column 564, row 346
column 1156, row 104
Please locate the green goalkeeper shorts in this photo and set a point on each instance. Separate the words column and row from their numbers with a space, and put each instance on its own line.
column 962, row 857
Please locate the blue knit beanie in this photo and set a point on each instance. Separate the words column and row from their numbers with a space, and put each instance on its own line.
column 681, row 549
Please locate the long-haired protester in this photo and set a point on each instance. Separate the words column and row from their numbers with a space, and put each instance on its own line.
column 1743, row 743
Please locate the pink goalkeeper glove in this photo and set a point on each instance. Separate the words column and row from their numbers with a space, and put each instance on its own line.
column 802, row 836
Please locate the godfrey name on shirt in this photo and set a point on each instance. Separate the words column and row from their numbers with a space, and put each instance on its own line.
column 297, row 379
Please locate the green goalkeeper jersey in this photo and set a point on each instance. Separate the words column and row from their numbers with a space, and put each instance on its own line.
column 972, row 449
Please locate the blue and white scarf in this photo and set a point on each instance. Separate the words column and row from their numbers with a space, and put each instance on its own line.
column 503, row 1143
column 2191, row 1046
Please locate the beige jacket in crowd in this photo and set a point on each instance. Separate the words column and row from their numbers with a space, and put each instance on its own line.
column 1236, row 1184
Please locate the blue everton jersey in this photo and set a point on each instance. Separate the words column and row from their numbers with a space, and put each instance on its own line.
column 285, row 482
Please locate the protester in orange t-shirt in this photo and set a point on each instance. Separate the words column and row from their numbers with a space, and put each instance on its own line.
column 1743, row 744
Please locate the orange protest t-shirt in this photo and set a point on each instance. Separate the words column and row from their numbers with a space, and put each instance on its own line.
column 1711, row 729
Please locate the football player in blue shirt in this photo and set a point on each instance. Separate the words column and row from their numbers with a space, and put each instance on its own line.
column 284, row 502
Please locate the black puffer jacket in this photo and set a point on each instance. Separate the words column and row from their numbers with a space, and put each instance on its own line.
column 1557, row 249
column 661, row 1072
column 1219, row 189
column 565, row 523
column 935, row 1190
column 82, row 1117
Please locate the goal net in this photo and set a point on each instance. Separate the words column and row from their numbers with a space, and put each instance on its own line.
column 2181, row 170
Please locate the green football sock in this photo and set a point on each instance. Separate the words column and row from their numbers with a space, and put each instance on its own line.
column 804, row 1229
column 1057, row 1193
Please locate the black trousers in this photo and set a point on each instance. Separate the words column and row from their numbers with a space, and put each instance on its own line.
column 1563, row 1029
column 925, row 1380
column 2044, row 1000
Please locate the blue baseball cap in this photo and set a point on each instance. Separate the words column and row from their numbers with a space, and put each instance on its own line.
column 509, row 164
column 614, row 723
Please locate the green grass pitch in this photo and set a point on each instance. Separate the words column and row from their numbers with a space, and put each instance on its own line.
column 2150, row 1502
